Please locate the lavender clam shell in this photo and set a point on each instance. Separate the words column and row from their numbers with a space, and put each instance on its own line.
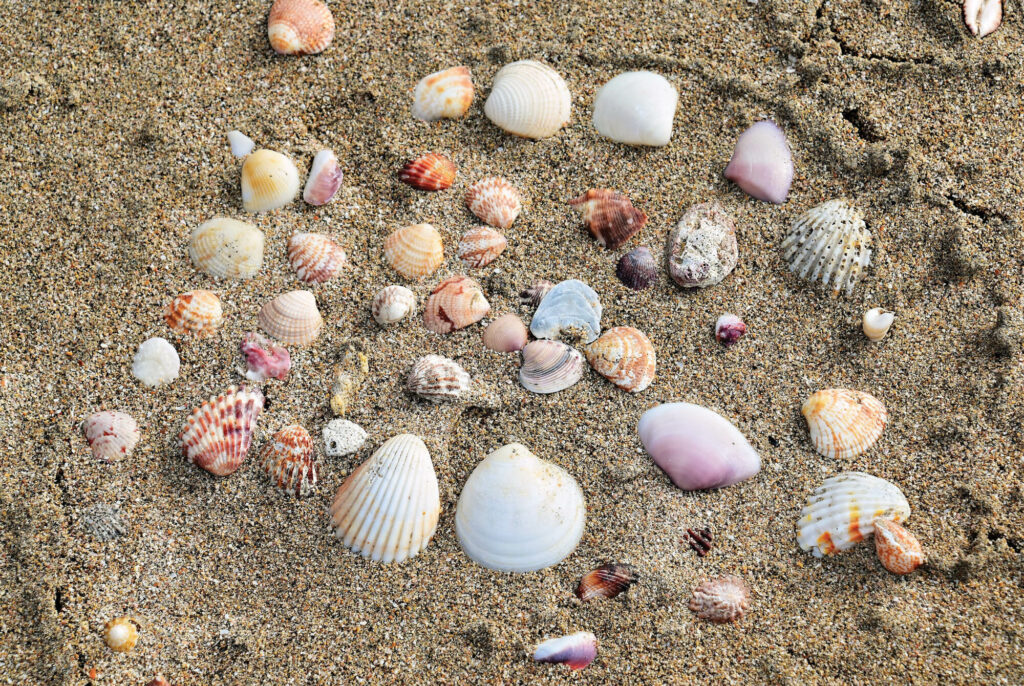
column 575, row 650
column 696, row 447
column 571, row 306
column 762, row 164
column 324, row 179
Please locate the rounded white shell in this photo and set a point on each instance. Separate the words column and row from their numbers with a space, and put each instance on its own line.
column 841, row 512
column 392, row 304
column 292, row 318
column 269, row 180
column 830, row 242
column 636, row 108
column 518, row 513
column 227, row 248
column 570, row 306
column 388, row 508
column 156, row 362
column 876, row 323
column 529, row 99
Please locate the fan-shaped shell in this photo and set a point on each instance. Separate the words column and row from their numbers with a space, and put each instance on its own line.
column 111, row 435
column 414, row 251
column 431, row 172
column 195, row 312
column 494, row 201
column 898, row 550
column 292, row 318
column 392, row 304
column 607, row 581
column 288, row 461
column 624, row 356
column 610, row 216
column 300, row 27
column 550, row 366
column 264, row 359
column 702, row 250
column 830, row 242
column 445, row 94
column 843, row 423
column 227, row 248
column 575, row 650
column 535, row 292
column 218, row 433
column 636, row 108
column 506, row 334
column 518, row 513
column 121, row 634
column 637, row 269
column 156, row 362
column 721, row 600
column 529, row 99
column 315, row 257
column 456, row 303
column 388, row 508
column 437, row 378
column 481, row 246
column 571, row 307
column 269, row 181
column 324, row 180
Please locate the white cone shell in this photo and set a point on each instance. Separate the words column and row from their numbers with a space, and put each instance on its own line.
column 529, row 99
column 636, row 108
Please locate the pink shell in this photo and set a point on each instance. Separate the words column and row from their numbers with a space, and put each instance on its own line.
column 218, row 433
column 264, row 358
column 575, row 650
column 505, row 334
column 324, row 179
column 761, row 164
column 315, row 257
column 288, row 461
column 722, row 600
column 481, row 246
column 111, row 435
column 456, row 303
column 495, row 201
column 729, row 329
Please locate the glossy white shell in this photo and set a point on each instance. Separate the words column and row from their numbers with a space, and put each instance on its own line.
column 227, row 248
column 156, row 362
column 636, row 108
column 241, row 145
column 876, row 323
column 830, row 242
column 570, row 305
column 529, row 99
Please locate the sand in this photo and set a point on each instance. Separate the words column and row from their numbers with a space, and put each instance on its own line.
column 113, row 149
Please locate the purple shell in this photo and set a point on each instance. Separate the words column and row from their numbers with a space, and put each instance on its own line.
column 729, row 329
column 761, row 164
column 576, row 650
column 324, row 179
column 637, row 269
column 264, row 358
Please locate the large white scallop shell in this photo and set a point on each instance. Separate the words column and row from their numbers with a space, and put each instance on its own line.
column 636, row 108
column 292, row 318
column 529, row 99
column 269, row 180
column 227, row 248
column 830, row 242
column 571, row 306
column 844, row 423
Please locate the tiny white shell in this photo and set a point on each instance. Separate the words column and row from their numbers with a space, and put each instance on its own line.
column 241, row 145
column 636, row 108
column 392, row 304
column 342, row 437
column 529, row 99
column 876, row 323
column 156, row 362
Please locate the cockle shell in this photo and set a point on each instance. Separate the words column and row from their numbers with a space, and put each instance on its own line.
column 218, row 433
column 843, row 511
column 721, row 600
column 392, row 304
column 550, row 366
column 506, row 334
column 697, row 448
column 571, row 307
column 636, row 108
column 264, row 359
column 324, row 179
column 342, row 437
column 729, row 329
column 454, row 304
column 292, row 318
column 227, row 248
column 606, row 581
column 156, row 362
column 300, row 27
column 494, row 201
column 104, row 522
column 414, row 251
column 535, row 292
column 898, row 550
column 240, row 144
column 575, row 650
column 637, row 269
column 288, row 460
column 843, row 424
column 876, row 323
column 518, row 513
column 762, row 164
column 830, row 242
column 315, row 257
column 111, row 435
column 121, row 634
column 702, row 250
column 195, row 312
column 437, row 378
column 445, row 94
column 983, row 16
column 610, row 216
column 431, row 172
column 481, row 246
column 269, row 181
column 529, row 99
column 388, row 508
column 624, row 356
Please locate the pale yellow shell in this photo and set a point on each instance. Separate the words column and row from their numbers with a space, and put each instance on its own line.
column 120, row 634
column 414, row 251
column 227, row 248
column 844, row 423
column 269, row 180
column 624, row 356
column 292, row 318
column 445, row 94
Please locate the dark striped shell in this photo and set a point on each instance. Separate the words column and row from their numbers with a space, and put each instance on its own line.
column 606, row 581
column 637, row 269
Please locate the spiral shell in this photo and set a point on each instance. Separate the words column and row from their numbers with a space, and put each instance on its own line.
column 392, row 304
column 454, row 304
column 156, row 362
column 606, row 581
column 324, row 180
column 288, row 461
column 550, row 366
column 437, row 379
column 505, row 334
column 227, row 248
column 898, row 550
column 111, row 435
column 610, row 216
column 445, row 94
column 576, row 651
column 721, row 600
column 830, row 242
column 414, row 251
column 624, row 356
column 481, row 246
column 637, row 269
column 269, row 181
column 264, row 359
column 218, row 433
column 300, row 27
column 843, row 424
column 121, row 634
column 292, row 318
column 876, row 322
column 195, row 312
column 494, row 201
column 431, row 172
column 529, row 99
column 315, row 257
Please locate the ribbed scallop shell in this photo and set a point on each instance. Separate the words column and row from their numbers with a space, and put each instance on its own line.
column 481, row 246
column 437, row 379
column 315, row 257
column 843, row 423
column 529, row 99
column 570, row 307
column 550, row 366
column 300, row 27
column 392, row 304
column 156, row 362
column 637, row 269
column 414, row 251
column 535, row 292
column 292, row 318
column 111, row 435
column 454, row 304
column 576, row 651
column 829, row 242
column 324, row 180
column 269, row 180
column 606, row 581
column 721, row 600
column 898, row 550
column 288, row 461
column 218, row 433
column 506, row 334
column 263, row 358
column 610, row 216
column 636, row 108
column 445, row 94
column 388, row 508
column 195, row 312
column 227, row 248
column 494, row 201
column 843, row 510
column 624, row 356
column 431, row 172
column 121, row 634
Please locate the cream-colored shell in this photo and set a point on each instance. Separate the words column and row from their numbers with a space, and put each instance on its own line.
column 269, row 180
column 624, row 356
column 636, row 108
column 876, row 323
column 414, row 251
column 292, row 318
column 529, row 99
column 829, row 242
column 227, row 248
column 445, row 94
column 844, row 423
column 120, row 634
column 392, row 304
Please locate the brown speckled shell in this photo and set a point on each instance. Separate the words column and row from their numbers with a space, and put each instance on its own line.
column 721, row 600
column 196, row 312
column 315, row 257
column 610, row 216
column 481, row 246
column 495, row 201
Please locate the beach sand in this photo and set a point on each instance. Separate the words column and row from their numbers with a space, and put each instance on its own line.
column 113, row 148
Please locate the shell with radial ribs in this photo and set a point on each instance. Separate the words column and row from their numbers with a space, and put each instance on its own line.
column 570, row 308
column 315, row 257
column 529, row 99
column 844, row 423
column 606, row 581
column 637, row 269
column 269, row 181
column 494, row 201
column 392, row 304
column 437, row 379
column 610, row 216
column 226, row 248
column 701, row 249
column 217, row 434
column 300, row 27
column 324, row 180
column 288, row 460
column 576, row 651
column 721, row 600
column 535, row 292
column 454, row 304
column 195, row 312
column 388, row 508
column 121, row 634
column 481, row 246
column 264, row 359
column 445, row 94
column 624, row 356
column 111, row 435
column 156, row 362
column 550, row 366
column 898, row 550
column 430, row 172
column 829, row 242
column 414, row 251
column 506, row 334
column 292, row 318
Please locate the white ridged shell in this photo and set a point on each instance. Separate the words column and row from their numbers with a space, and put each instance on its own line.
column 830, row 242
column 156, row 362
column 227, row 248
column 529, row 99
column 111, row 435
column 269, row 181
column 843, row 423
column 636, row 108
column 392, row 304
column 292, row 318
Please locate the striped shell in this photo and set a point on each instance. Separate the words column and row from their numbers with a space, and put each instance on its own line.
column 624, row 356
column 506, row 334
column 300, row 27
column 414, row 251
column 830, row 242
column 529, row 99
column 481, row 246
column 388, row 508
column 324, row 180
column 431, row 172
column 550, row 366
column 637, row 269
column 392, row 304
column 226, row 248
column 535, row 292
column 898, row 550
column 575, row 650
column 437, row 379
column 195, row 312
column 292, row 318
column 269, row 181
column 315, row 257
column 721, row 600
column 445, row 94
column 217, row 434
column 494, row 201
column 843, row 424
column 264, row 359
column 288, row 461
column 610, row 216
column 454, row 304
column 121, row 634
column 111, row 435
column 606, row 581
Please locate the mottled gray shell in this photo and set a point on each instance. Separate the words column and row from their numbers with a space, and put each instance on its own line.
column 701, row 250
column 571, row 306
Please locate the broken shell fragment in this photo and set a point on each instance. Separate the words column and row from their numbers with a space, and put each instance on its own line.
column 196, row 312
column 342, row 437
column 535, row 292
column 729, row 329
column 324, row 179
column 264, row 359
column 506, row 334
column 481, row 246
column 227, row 248
column 437, row 379
column 414, row 251
column 636, row 108
column 445, row 94
column 431, row 172
column 349, row 376
column 831, row 242
column 300, row 27
column 292, row 318
column 454, row 304
column 269, row 181
column 610, row 216
column 843, row 423
column 762, row 164
column 983, row 16
column 876, row 323
column 392, row 304
column 315, row 257
column 111, row 435
column 898, row 550
column 576, row 650
column 702, row 250
column 550, row 366
column 637, row 269
column 529, row 99
column 606, row 581
column 218, row 433
column 156, row 362
column 288, row 460
column 624, row 356
column 121, row 634
column 494, row 201
column 240, row 144
column 570, row 308
column 721, row 600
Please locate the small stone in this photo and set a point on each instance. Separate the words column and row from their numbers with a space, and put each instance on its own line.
column 342, row 437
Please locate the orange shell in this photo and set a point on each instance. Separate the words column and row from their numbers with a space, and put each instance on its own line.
column 431, row 172
column 288, row 461
column 300, row 27
column 610, row 216
column 624, row 356
column 456, row 303
column 898, row 550
column 195, row 312
column 314, row 257
column 481, row 246
column 495, row 201
column 414, row 251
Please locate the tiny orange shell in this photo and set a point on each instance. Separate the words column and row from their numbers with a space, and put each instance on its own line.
column 624, row 356
column 300, row 27
column 495, row 201
column 481, row 246
column 431, row 172
column 898, row 550
column 196, row 312
column 456, row 303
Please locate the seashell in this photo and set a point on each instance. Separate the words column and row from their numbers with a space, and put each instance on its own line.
column 454, row 304
column 414, row 251
column 636, row 108
column 624, row 356
column 983, row 16
column 575, row 650
column 288, row 461
column 876, row 323
column 315, row 257
column 392, row 304
column 761, row 164
column 518, row 513
column 300, row 27
column 829, row 241
column 494, row 201
column 696, row 447
column 550, row 366
column 104, row 522
column 721, row 600
column 387, row 509
column 702, row 248
column 240, row 144
column 529, row 99
column 637, row 269
column 843, row 424
column 729, row 329
column 437, row 378
column 506, row 334
column 610, row 216
column 111, row 435
column 264, row 359
column 217, row 434
column 844, row 510
column 570, row 307
column 292, row 318
column 445, row 94
column 121, row 634
column 481, row 246
column 195, row 312
column 227, row 248
column 431, row 172
column 158, row 681
column 349, row 377
column 342, row 437
column 324, row 179
column 898, row 550
column 156, row 362
column 535, row 292
column 606, row 581
column 269, row 181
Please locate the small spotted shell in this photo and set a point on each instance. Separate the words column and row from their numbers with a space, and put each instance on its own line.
column 218, row 433
column 195, row 312
column 392, row 304
column 610, row 216
column 437, row 378
column 431, row 172
column 414, row 251
column 456, row 303
column 445, row 94
column 111, row 435
column 121, row 634
column 843, row 423
column 721, row 600
column 292, row 318
column 227, row 248
column 300, row 27
column 495, row 201
column 288, row 461
column 898, row 550
column 269, row 181
column 315, row 257
column 624, row 356
column 481, row 246
column 505, row 334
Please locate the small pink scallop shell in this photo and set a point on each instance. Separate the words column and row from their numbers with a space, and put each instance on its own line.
column 315, row 257
column 264, row 358
column 300, row 27
column 575, row 650
column 288, row 460
column 762, row 164
column 505, row 334
column 111, row 435
column 218, row 433
column 722, row 600
column 324, row 179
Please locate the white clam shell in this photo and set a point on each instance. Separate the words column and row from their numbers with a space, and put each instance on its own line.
column 570, row 305
column 876, row 323
column 156, row 362
column 269, row 181
column 636, row 108
column 392, row 304
column 324, row 179
column 529, row 99
column 227, row 248
column 830, row 242
column 550, row 366
column 292, row 318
